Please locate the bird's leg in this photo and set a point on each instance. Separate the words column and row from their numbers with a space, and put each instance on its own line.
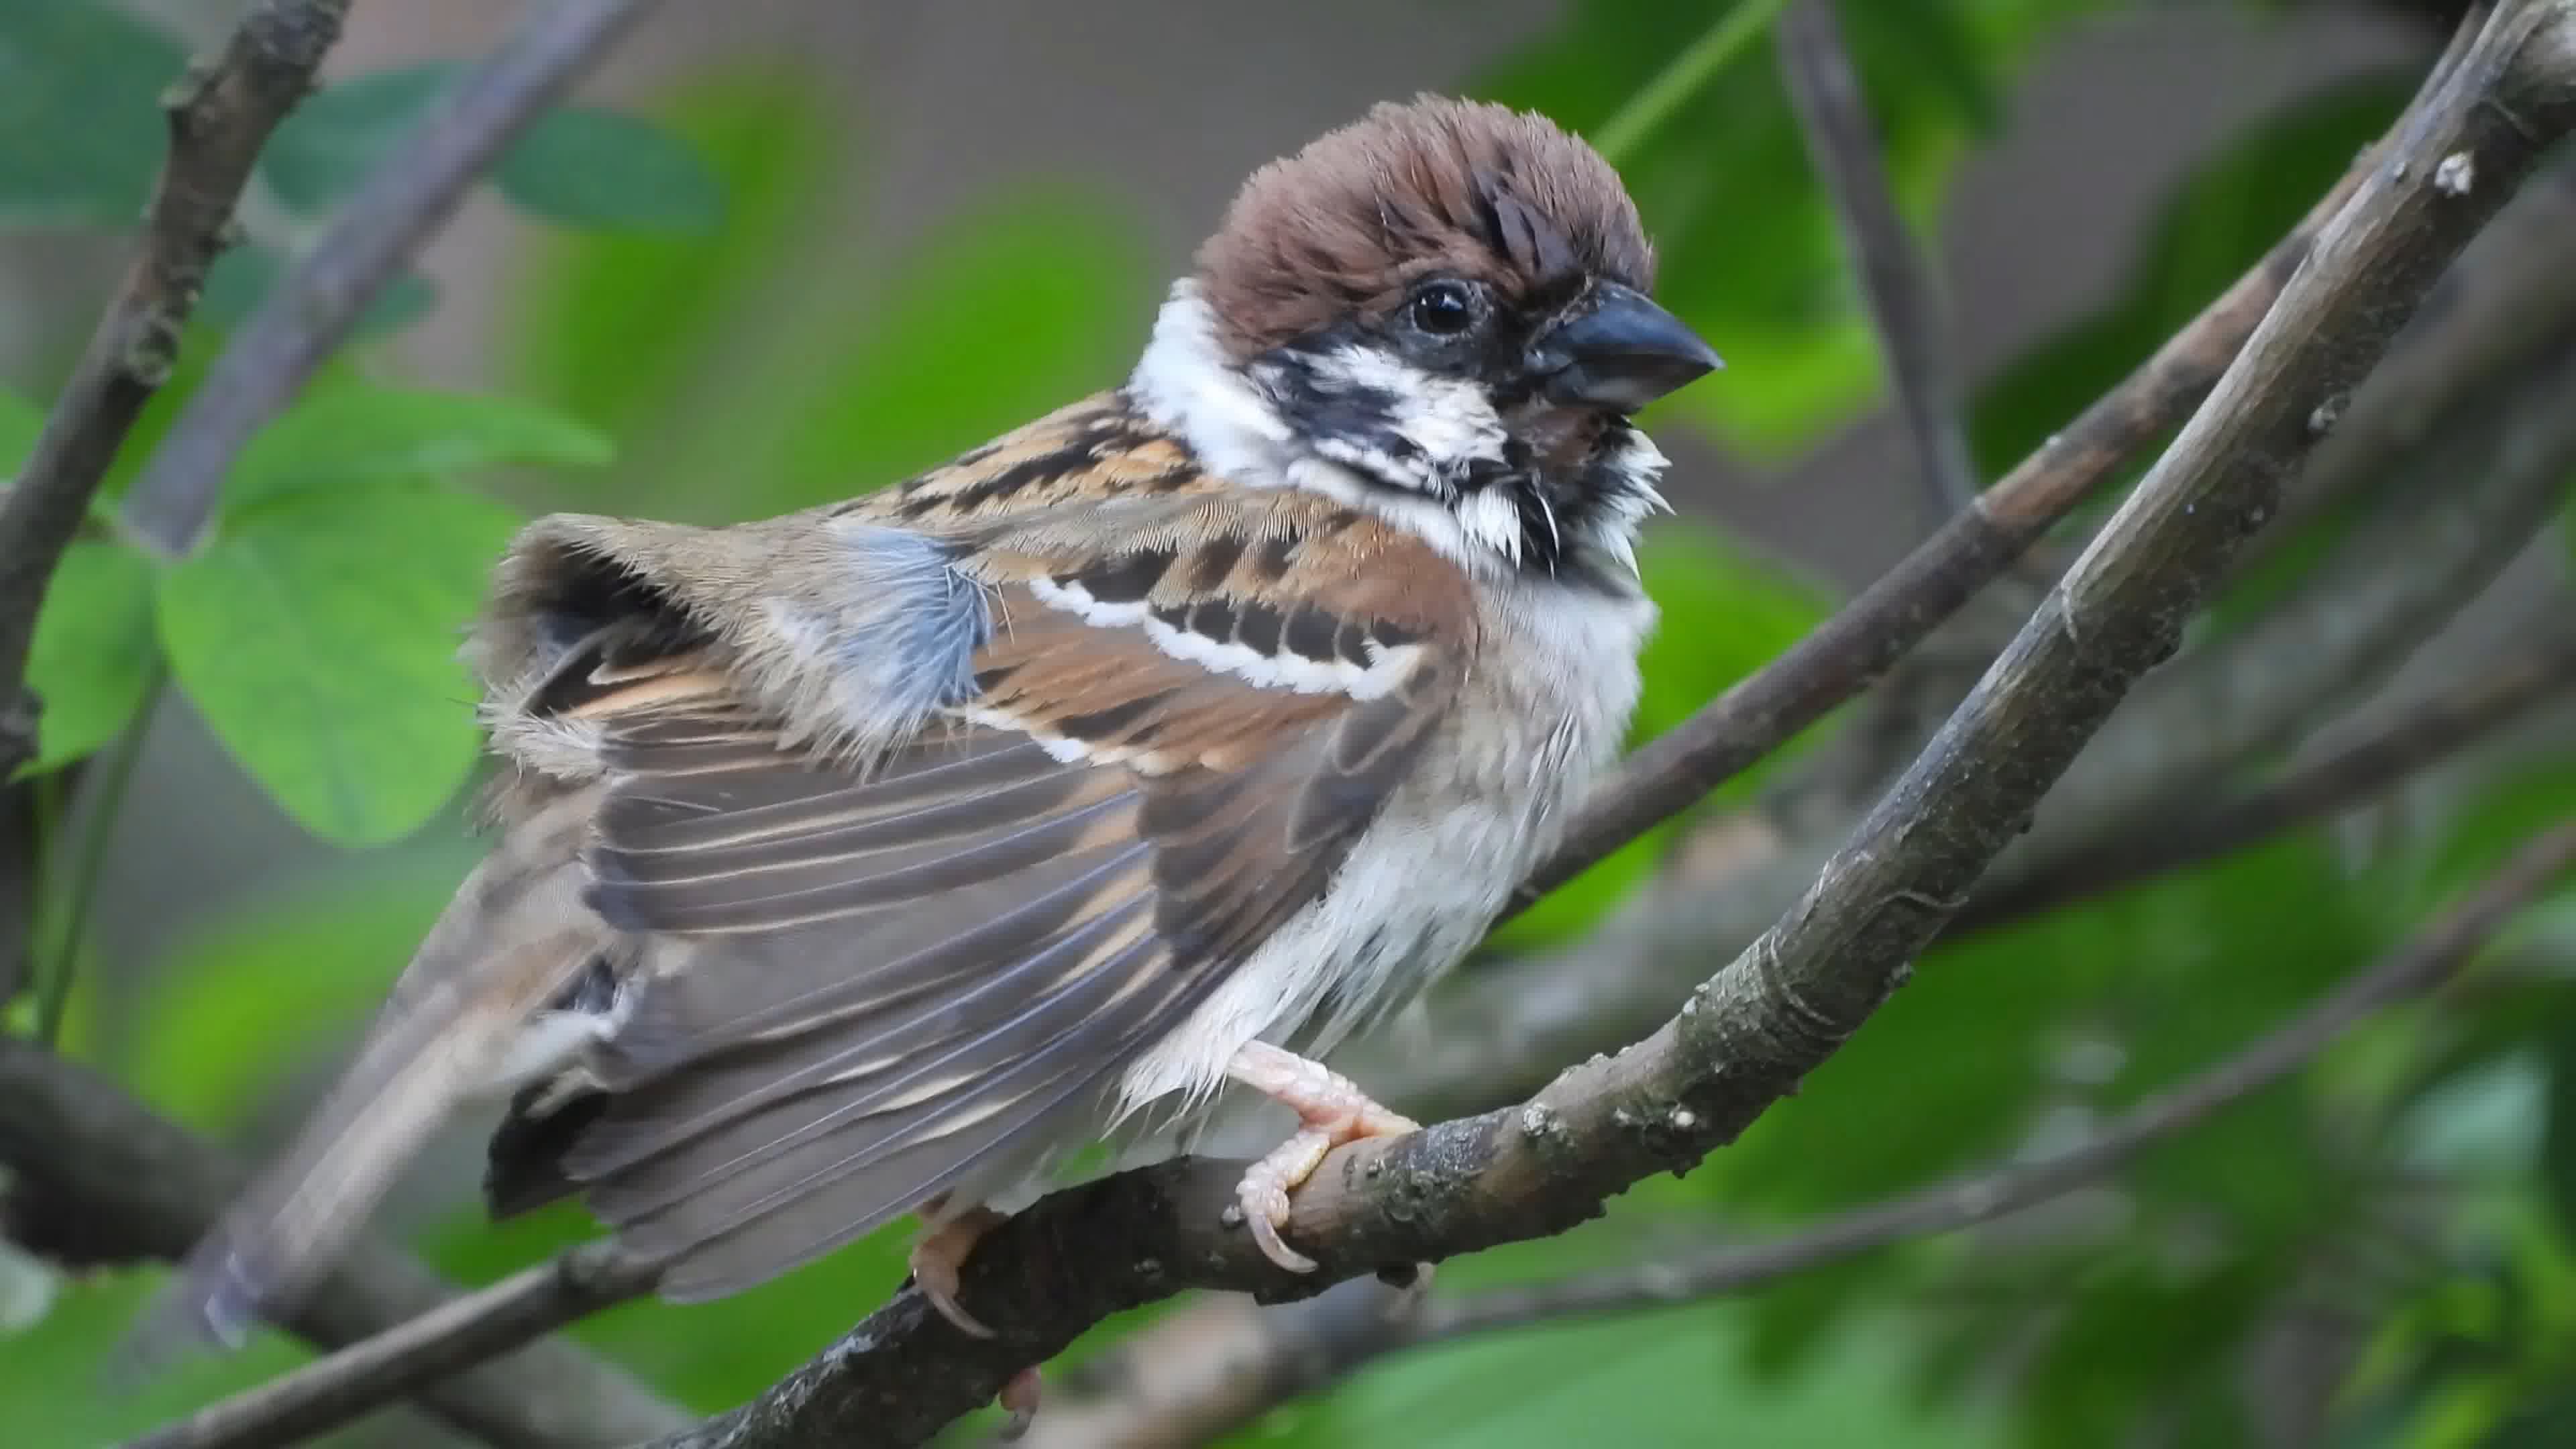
column 1331, row 1110
column 941, row 1250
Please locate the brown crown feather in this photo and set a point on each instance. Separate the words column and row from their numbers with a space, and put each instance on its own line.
column 1432, row 185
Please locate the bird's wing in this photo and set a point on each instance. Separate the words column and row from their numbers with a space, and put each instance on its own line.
column 860, row 983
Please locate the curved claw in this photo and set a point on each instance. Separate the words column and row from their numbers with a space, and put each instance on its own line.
column 1331, row 1109
column 937, row 1255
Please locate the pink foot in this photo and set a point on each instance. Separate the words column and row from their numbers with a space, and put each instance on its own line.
column 939, row 1252
column 1332, row 1110
column 1019, row 1399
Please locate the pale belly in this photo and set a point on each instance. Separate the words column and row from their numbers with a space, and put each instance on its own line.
column 1546, row 706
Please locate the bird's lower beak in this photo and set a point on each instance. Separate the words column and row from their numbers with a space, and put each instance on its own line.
column 1618, row 350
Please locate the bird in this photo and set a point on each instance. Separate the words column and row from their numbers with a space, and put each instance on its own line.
column 870, row 860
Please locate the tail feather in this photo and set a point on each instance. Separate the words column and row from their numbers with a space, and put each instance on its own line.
column 516, row 935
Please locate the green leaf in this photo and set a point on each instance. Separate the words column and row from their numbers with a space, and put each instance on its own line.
column 578, row 165
column 80, row 113
column 363, row 433
column 326, row 146
column 1659, row 1378
column 241, row 278
column 20, row 422
column 596, row 168
column 238, row 998
column 48, row 1375
column 1003, row 314
column 317, row 635
column 627, row 328
column 91, row 659
column 2206, row 234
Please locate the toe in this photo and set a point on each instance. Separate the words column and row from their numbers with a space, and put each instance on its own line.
column 936, row 1277
column 1019, row 1398
column 1265, row 1211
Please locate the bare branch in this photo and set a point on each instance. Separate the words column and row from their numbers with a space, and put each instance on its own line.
column 2359, row 772
column 312, row 310
column 91, row 1161
column 220, row 112
column 454, row 1335
column 1211, row 1370
column 1904, row 298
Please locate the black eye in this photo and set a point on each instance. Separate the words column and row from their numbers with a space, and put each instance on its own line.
column 1443, row 308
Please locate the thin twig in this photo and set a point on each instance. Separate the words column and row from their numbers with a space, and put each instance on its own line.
column 220, row 113
column 100, row 1177
column 2353, row 775
column 1904, row 298
column 454, row 1335
column 106, row 791
column 1210, row 1378
column 312, row 310
column 1618, row 138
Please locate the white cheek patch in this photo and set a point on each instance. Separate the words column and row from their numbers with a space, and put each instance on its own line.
column 1448, row 420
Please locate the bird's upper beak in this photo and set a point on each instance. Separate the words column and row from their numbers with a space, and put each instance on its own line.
column 1616, row 349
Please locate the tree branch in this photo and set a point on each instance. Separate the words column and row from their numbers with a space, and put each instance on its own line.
column 1198, row 1377
column 220, row 113
column 100, row 1177
column 2347, row 778
column 312, row 310
column 1904, row 299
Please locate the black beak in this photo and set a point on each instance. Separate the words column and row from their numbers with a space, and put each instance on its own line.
column 1616, row 349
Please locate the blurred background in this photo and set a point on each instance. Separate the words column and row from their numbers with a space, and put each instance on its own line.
column 783, row 251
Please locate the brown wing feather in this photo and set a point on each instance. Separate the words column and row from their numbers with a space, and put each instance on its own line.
column 858, row 987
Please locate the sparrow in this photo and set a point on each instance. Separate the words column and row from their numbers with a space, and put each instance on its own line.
column 868, row 860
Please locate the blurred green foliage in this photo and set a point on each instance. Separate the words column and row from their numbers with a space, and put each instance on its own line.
column 1744, row 236
column 697, row 315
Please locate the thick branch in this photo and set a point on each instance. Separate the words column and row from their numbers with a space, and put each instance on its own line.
column 220, row 112
column 90, row 1160
column 1904, row 300
column 311, row 312
column 1198, row 1377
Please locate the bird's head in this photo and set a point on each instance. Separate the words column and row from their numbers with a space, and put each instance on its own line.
column 1439, row 312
